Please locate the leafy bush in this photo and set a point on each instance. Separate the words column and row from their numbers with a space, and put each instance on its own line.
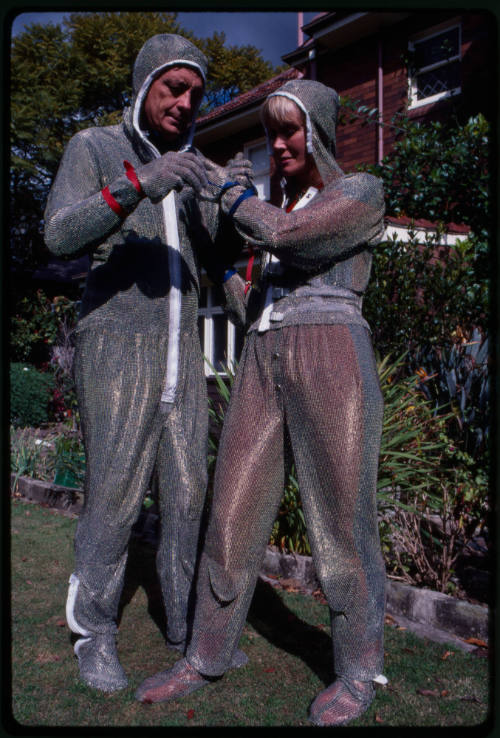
column 57, row 457
column 431, row 500
column 69, row 460
column 424, row 294
column 30, row 395
column 457, row 379
column 65, row 404
column 35, row 323
column 439, row 171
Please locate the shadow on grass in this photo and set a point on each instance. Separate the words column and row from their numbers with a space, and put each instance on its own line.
column 140, row 572
column 268, row 614
column 283, row 629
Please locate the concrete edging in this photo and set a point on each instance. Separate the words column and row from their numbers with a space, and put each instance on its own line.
column 444, row 613
column 439, row 611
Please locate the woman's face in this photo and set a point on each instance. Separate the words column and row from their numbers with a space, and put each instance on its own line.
column 288, row 141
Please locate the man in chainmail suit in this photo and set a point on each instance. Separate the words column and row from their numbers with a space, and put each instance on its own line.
column 307, row 370
column 125, row 194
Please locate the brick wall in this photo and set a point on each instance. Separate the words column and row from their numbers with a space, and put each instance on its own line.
column 353, row 70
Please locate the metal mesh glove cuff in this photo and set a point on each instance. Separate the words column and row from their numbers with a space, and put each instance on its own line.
column 232, row 199
column 122, row 195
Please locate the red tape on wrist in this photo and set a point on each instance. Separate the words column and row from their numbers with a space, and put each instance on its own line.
column 132, row 176
column 115, row 206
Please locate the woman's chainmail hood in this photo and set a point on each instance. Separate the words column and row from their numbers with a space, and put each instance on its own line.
column 320, row 105
column 157, row 55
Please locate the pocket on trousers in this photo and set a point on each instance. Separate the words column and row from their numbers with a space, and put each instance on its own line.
column 225, row 585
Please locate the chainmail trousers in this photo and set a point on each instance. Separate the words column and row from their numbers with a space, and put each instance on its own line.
column 131, row 438
column 332, row 411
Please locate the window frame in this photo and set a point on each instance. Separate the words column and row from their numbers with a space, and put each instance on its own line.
column 207, row 313
column 265, row 171
column 413, row 103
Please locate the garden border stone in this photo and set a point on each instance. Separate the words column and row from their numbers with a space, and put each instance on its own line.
column 433, row 614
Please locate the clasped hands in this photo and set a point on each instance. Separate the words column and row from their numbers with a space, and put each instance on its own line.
column 186, row 170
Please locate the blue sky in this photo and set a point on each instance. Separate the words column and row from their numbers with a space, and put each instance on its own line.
column 274, row 33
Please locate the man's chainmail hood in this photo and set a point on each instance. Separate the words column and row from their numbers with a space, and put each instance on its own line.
column 157, row 55
column 320, row 104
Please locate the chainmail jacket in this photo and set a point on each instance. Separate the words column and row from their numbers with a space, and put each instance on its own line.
column 135, row 262
column 324, row 248
column 138, row 364
column 307, row 383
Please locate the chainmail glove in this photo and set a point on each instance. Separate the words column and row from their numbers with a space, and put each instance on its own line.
column 172, row 171
column 218, row 181
column 240, row 170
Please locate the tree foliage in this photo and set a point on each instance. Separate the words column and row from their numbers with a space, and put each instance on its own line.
column 69, row 76
column 232, row 69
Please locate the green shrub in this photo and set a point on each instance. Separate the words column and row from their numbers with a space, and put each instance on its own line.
column 35, row 324
column 30, row 395
column 57, row 457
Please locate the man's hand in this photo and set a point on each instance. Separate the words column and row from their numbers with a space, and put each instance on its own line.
column 172, row 171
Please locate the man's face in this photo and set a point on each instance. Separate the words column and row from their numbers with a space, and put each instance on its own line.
column 172, row 100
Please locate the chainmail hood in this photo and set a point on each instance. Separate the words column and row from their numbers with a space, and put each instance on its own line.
column 157, row 55
column 320, row 105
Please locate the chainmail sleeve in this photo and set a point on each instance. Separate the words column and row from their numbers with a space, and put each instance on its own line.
column 77, row 216
column 348, row 213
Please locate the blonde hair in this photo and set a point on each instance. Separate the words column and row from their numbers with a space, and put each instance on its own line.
column 277, row 110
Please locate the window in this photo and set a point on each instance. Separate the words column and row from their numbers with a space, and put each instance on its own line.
column 221, row 341
column 258, row 154
column 435, row 67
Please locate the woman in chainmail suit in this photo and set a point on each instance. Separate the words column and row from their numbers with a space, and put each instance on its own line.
column 308, row 371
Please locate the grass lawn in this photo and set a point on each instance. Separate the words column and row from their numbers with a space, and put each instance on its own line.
column 286, row 638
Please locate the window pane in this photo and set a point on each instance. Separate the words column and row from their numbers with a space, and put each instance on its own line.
column 436, row 49
column 439, row 80
column 219, row 353
column 259, row 157
column 263, row 186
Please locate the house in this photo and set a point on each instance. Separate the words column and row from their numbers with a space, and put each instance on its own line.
column 425, row 63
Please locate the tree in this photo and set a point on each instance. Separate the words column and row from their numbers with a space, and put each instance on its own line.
column 233, row 69
column 71, row 76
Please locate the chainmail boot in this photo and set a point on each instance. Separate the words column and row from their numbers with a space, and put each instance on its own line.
column 341, row 702
column 171, row 684
column 98, row 663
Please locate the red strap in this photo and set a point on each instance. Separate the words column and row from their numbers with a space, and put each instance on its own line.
column 132, row 176
column 248, row 276
column 115, row 206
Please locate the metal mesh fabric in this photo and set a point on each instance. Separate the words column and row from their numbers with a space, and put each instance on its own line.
column 129, row 439
column 341, row 702
column 332, row 410
column 136, row 345
column 310, row 374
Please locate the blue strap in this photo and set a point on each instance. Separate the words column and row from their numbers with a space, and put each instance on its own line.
column 228, row 274
column 251, row 192
column 223, row 187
